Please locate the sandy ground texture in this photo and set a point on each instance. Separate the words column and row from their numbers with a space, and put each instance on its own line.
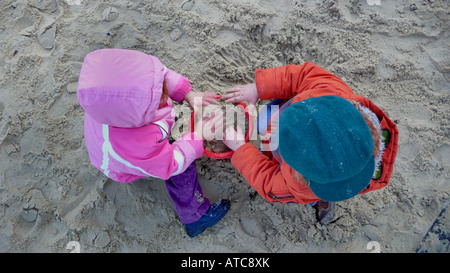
column 395, row 53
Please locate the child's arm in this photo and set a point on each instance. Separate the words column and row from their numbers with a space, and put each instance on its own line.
column 259, row 171
column 190, row 146
column 180, row 89
column 185, row 151
column 150, row 153
column 287, row 81
column 197, row 99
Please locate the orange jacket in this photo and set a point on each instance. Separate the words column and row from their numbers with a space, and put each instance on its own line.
column 275, row 181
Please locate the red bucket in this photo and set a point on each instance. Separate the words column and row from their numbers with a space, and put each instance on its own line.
column 228, row 154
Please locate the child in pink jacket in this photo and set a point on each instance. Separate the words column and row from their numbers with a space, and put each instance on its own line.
column 128, row 118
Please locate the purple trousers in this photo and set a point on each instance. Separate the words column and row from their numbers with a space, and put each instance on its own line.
column 187, row 195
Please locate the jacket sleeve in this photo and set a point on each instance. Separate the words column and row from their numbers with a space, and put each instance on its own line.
column 170, row 159
column 177, row 85
column 261, row 172
column 190, row 146
column 147, row 155
column 286, row 82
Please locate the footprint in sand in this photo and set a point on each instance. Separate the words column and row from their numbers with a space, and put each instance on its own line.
column 442, row 155
column 251, row 228
column 46, row 36
column 408, row 151
column 187, row 5
column 110, row 14
column 47, row 6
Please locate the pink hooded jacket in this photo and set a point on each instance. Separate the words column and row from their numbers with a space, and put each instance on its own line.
column 125, row 132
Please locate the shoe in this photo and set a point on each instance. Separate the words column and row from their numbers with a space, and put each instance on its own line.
column 325, row 212
column 212, row 216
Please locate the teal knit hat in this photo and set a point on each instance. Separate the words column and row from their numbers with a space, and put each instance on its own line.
column 328, row 141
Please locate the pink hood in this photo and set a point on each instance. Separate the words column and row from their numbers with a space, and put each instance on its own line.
column 120, row 87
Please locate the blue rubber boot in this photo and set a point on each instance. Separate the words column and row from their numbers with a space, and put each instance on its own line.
column 212, row 216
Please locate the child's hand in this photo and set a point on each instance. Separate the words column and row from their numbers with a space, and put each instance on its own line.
column 234, row 139
column 197, row 99
column 246, row 93
column 208, row 126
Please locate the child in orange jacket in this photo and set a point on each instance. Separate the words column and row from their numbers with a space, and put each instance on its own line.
column 326, row 143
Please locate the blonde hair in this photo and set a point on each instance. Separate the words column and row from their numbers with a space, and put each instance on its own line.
column 375, row 130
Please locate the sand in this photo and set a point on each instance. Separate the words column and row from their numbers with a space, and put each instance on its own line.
column 395, row 53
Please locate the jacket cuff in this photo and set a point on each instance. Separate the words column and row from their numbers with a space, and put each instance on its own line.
column 183, row 87
column 177, row 85
column 264, row 84
column 195, row 141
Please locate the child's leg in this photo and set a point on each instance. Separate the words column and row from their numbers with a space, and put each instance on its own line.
column 187, row 195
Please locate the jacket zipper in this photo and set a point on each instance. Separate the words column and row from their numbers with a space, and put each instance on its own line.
column 280, row 196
